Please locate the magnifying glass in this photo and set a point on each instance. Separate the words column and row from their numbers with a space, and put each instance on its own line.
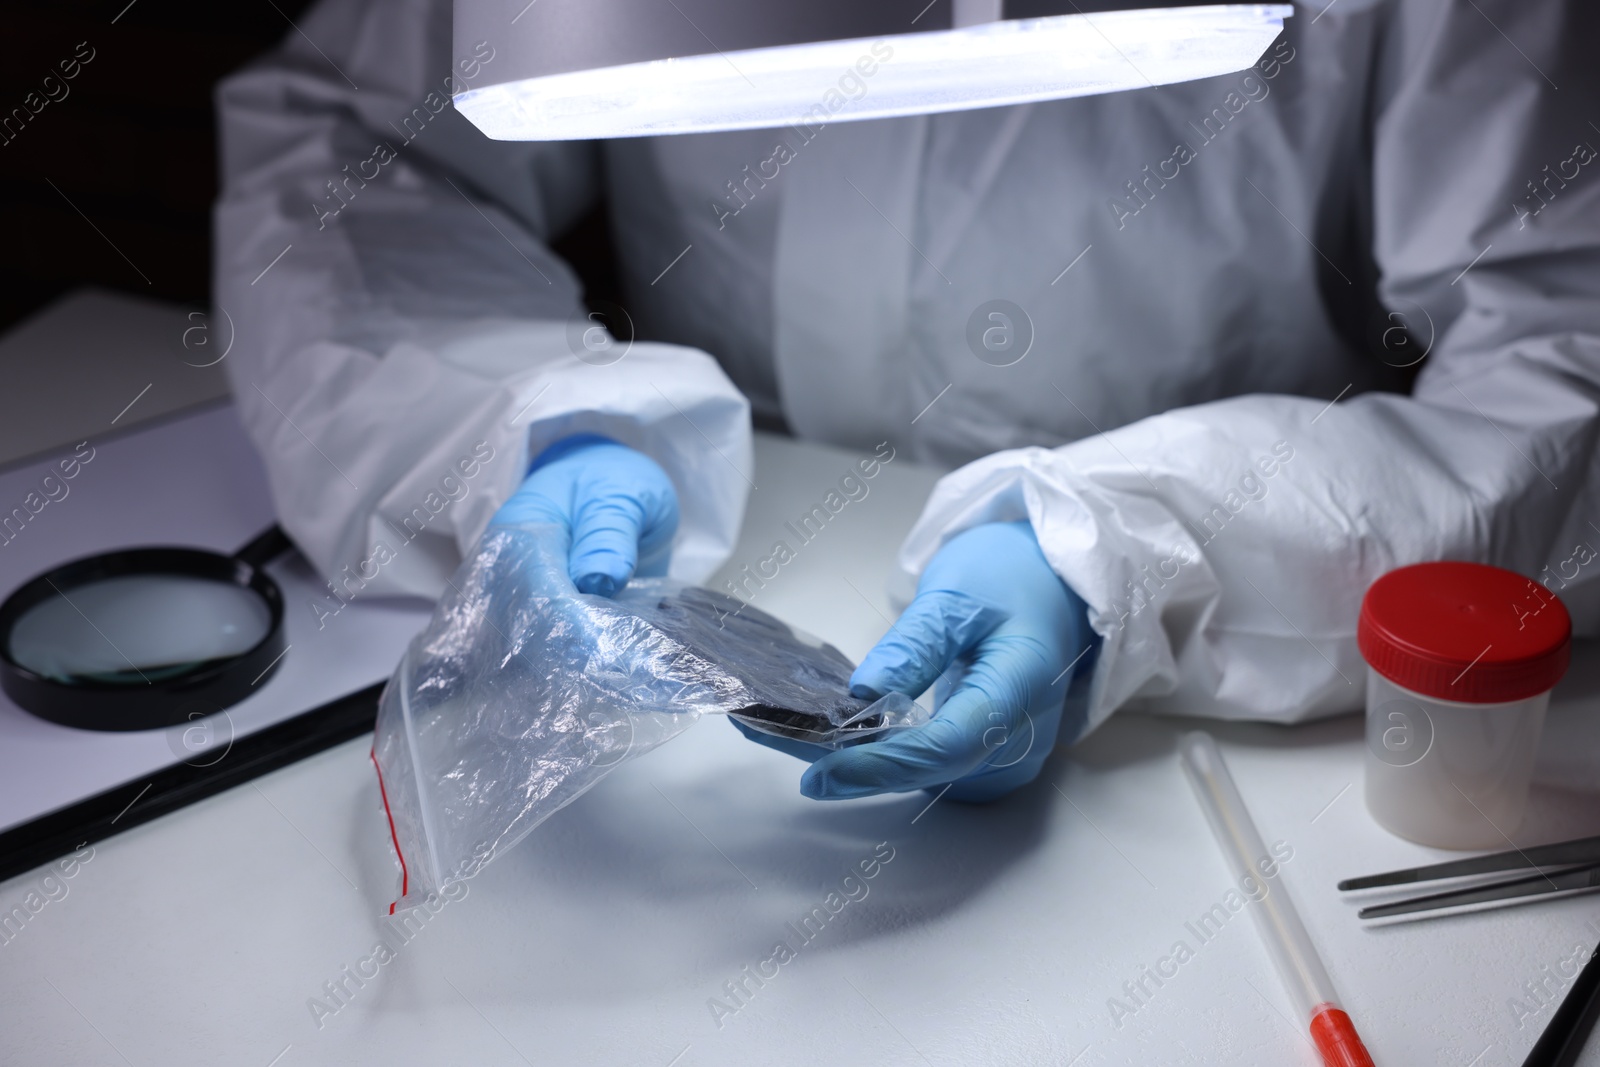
column 134, row 640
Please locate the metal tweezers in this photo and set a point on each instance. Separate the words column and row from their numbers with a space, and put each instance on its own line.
column 1564, row 867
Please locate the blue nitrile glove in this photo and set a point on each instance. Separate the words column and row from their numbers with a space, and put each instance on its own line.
column 618, row 505
column 990, row 604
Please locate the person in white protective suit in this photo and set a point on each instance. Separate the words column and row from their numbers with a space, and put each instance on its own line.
column 1217, row 437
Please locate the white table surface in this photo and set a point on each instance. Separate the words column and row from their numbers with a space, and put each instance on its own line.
column 995, row 935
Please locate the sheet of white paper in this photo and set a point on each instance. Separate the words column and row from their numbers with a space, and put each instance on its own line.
column 97, row 361
column 195, row 482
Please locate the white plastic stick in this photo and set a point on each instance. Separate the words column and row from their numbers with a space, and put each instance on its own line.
column 1281, row 929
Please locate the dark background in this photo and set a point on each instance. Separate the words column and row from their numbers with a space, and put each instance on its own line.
column 133, row 148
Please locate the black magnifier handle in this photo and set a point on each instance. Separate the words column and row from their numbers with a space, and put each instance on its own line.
column 265, row 547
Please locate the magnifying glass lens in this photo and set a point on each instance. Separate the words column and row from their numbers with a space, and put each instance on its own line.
column 138, row 629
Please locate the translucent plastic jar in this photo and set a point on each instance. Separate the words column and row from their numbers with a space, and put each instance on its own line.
column 1461, row 658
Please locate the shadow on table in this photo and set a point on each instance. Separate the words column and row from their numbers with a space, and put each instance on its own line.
column 943, row 853
column 631, row 890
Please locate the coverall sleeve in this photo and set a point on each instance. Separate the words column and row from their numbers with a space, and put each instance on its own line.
column 403, row 337
column 1224, row 548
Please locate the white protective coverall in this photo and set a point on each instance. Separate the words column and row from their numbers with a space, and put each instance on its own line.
column 1395, row 176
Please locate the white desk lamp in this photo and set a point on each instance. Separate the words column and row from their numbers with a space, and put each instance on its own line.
column 581, row 69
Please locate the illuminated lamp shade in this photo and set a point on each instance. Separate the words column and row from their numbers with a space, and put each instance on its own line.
column 582, row 69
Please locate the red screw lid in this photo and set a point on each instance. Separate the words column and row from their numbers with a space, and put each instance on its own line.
column 1465, row 632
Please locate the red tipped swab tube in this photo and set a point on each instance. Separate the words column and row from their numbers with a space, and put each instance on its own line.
column 1281, row 930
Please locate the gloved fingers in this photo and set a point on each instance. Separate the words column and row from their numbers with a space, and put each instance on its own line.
column 529, row 506
column 949, row 746
column 1001, row 720
column 618, row 505
column 605, row 543
column 616, row 528
column 800, row 750
column 938, row 626
column 916, row 758
column 1018, row 750
column 919, row 759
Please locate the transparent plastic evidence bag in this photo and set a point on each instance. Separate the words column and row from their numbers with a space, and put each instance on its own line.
column 522, row 693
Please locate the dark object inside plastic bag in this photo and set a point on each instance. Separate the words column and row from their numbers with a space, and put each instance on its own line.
column 810, row 701
column 522, row 693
